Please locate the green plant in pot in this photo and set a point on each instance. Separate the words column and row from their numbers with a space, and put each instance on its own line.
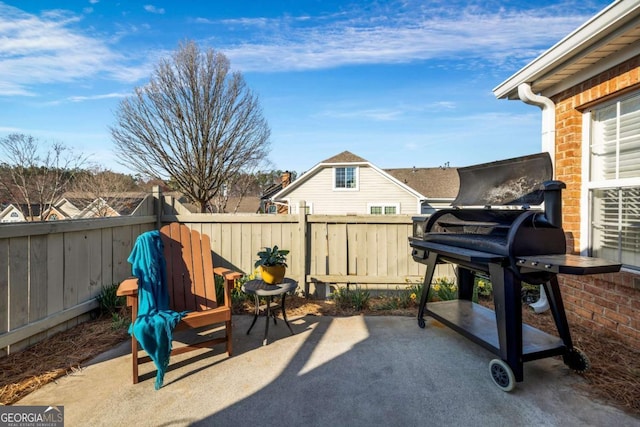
column 273, row 264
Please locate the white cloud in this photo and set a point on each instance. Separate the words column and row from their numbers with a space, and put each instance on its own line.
column 369, row 114
column 399, row 35
column 152, row 9
column 5, row 129
column 97, row 97
column 50, row 47
column 43, row 49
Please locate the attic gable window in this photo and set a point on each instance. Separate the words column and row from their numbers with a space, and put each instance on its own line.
column 345, row 178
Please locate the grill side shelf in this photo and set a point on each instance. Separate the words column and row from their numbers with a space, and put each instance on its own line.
column 567, row 264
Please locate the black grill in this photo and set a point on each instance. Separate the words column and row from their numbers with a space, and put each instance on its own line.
column 506, row 222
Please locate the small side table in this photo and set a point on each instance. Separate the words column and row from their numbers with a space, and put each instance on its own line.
column 259, row 288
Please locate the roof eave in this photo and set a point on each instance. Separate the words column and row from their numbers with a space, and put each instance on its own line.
column 609, row 20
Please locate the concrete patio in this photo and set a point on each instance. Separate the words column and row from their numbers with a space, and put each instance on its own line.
column 351, row 371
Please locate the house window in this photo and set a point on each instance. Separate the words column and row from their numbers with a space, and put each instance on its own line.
column 383, row 208
column 346, row 177
column 14, row 215
column 614, row 181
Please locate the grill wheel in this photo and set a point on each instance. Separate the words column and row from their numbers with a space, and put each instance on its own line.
column 502, row 375
column 577, row 360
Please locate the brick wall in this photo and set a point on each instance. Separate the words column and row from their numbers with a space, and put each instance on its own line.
column 610, row 302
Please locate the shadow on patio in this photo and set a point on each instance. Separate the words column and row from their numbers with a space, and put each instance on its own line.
column 352, row 371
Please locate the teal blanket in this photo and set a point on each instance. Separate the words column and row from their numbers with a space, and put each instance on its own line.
column 153, row 328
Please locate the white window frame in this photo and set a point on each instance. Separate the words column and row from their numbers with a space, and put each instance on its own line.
column 356, row 177
column 383, row 205
column 588, row 185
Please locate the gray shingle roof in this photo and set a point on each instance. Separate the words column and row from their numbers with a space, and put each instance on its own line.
column 345, row 157
column 434, row 183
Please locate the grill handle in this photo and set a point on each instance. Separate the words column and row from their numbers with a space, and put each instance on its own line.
column 553, row 202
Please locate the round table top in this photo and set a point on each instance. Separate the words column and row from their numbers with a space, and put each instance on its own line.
column 260, row 288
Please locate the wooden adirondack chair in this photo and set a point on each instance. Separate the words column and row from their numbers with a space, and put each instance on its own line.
column 191, row 283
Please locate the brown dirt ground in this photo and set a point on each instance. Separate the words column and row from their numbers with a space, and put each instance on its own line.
column 614, row 376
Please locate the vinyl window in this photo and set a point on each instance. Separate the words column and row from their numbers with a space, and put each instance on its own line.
column 614, row 181
column 346, row 178
column 383, row 208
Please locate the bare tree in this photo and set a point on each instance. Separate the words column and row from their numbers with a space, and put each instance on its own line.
column 238, row 187
column 35, row 176
column 108, row 191
column 196, row 123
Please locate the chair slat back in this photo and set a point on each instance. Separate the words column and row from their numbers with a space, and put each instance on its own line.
column 190, row 276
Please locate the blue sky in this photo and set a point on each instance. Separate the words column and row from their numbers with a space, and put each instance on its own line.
column 399, row 83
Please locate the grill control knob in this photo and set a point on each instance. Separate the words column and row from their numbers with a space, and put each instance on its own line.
column 534, row 263
column 547, row 266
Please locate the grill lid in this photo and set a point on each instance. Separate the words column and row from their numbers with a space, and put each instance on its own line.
column 505, row 182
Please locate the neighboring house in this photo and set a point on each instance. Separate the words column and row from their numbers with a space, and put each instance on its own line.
column 70, row 205
column 53, row 214
column 120, row 204
column 246, row 204
column 588, row 87
column 348, row 184
column 11, row 214
column 75, row 205
column 267, row 204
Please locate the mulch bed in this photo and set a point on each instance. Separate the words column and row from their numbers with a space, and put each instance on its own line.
column 614, row 376
column 61, row 354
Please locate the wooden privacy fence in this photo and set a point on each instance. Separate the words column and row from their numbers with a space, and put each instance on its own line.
column 51, row 272
column 368, row 250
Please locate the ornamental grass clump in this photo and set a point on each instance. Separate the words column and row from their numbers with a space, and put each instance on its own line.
column 443, row 289
column 357, row 299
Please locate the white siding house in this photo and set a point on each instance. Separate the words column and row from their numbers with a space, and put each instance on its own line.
column 347, row 184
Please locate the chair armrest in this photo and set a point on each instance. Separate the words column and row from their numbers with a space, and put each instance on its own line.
column 226, row 273
column 128, row 287
column 230, row 277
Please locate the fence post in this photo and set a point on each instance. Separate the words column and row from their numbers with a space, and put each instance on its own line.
column 159, row 203
column 302, row 230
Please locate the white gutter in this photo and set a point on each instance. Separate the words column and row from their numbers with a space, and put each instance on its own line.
column 548, row 118
column 620, row 15
column 548, row 144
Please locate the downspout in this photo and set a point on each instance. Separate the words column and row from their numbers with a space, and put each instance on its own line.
column 548, row 144
column 548, row 118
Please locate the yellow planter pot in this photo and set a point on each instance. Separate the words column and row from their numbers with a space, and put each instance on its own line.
column 272, row 274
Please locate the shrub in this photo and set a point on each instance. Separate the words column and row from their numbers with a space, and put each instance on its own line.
column 357, row 299
column 237, row 296
column 414, row 294
column 109, row 302
column 443, row 289
column 112, row 305
column 482, row 288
